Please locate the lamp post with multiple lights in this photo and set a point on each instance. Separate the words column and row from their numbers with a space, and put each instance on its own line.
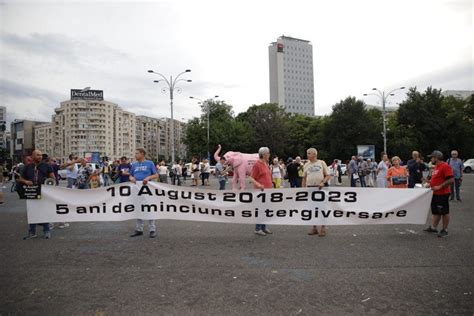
column 383, row 97
column 208, row 119
column 171, row 83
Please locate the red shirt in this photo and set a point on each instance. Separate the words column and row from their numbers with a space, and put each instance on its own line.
column 261, row 173
column 441, row 173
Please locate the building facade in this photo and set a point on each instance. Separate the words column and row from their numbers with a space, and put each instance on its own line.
column 44, row 138
column 148, row 136
column 179, row 134
column 3, row 127
column 459, row 94
column 22, row 138
column 83, row 127
column 291, row 75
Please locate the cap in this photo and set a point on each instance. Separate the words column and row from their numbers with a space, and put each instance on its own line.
column 436, row 154
column 290, row 159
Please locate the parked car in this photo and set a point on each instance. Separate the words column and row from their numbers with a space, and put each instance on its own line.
column 468, row 165
column 62, row 172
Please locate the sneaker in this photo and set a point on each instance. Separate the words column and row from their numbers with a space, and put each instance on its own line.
column 443, row 233
column 30, row 236
column 267, row 231
column 61, row 225
column 152, row 234
column 47, row 235
column 136, row 233
column 313, row 232
column 51, row 226
column 430, row 230
column 260, row 232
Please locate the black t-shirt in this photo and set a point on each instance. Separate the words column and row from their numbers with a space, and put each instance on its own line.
column 292, row 171
column 37, row 174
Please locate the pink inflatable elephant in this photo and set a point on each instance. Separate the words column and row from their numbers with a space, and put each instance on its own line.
column 241, row 163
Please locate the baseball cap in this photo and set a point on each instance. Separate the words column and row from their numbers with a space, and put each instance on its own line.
column 436, row 154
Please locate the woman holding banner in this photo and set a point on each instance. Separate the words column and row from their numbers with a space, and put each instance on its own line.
column 397, row 176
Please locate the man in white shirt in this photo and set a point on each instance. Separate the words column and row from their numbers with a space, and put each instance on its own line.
column 316, row 174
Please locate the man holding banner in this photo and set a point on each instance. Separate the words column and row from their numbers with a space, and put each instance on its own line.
column 440, row 183
column 33, row 174
column 143, row 170
column 316, row 174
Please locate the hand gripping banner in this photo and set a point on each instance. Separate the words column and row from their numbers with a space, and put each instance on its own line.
column 297, row 206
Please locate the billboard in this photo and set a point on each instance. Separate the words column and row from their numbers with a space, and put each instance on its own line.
column 366, row 151
column 80, row 94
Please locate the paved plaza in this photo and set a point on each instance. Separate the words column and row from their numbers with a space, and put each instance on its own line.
column 198, row 268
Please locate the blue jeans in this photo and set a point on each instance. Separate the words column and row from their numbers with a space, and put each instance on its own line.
column 260, row 227
column 32, row 228
column 353, row 181
column 362, row 181
column 456, row 187
column 222, row 184
column 70, row 182
column 293, row 183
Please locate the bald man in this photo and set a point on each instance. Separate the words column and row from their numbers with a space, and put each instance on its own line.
column 36, row 173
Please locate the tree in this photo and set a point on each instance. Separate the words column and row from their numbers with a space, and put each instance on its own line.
column 349, row 125
column 269, row 127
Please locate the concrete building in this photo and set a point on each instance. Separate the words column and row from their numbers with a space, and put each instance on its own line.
column 22, row 138
column 459, row 94
column 148, row 133
column 291, row 75
column 3, row 127
column 179, row 133
column 44, row 138
column 85, row 126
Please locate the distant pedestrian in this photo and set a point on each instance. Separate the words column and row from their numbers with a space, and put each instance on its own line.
column 382, row 170
column 123, row 170
column 195, row 167
column 163, row 171
column 276, row 173
column 353, row 171
column 415, row 168
column 363, row 171
column 71, row 170
column 176, row 172
column 292, row 172
column 84, row 175
column 334, row 171
column 221, row 173
column 440, row 182
column 205, row 172
column 457, row 165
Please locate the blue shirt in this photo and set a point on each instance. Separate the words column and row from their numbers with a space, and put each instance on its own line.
column 141, row 170
column 457, row 165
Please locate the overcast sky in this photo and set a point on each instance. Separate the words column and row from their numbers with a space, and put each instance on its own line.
column 49, row 47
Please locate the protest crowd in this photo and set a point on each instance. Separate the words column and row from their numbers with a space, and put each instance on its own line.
column 443, row 177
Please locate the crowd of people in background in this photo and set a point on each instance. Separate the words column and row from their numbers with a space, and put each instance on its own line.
column 445, row 178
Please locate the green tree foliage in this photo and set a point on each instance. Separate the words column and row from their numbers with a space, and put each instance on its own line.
column 424, row 122
column 428, row 121
column 351, row 124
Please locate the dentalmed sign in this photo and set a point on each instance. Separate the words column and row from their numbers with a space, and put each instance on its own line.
column 297, row 206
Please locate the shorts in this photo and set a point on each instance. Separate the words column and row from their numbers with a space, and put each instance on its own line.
column 440, row 204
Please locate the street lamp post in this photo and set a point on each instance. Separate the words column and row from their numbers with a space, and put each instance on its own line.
column 383, row 97
column 208, row 119
column 171, row 83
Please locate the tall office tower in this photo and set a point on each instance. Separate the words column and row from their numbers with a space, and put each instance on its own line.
column 291, row 75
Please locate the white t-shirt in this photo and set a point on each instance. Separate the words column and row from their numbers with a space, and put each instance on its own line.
column 163, row 170
column 206, row 168
column 315, row 172
column 383, row 170
column 276, row 172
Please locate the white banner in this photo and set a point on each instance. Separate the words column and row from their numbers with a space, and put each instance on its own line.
column 298, row 206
